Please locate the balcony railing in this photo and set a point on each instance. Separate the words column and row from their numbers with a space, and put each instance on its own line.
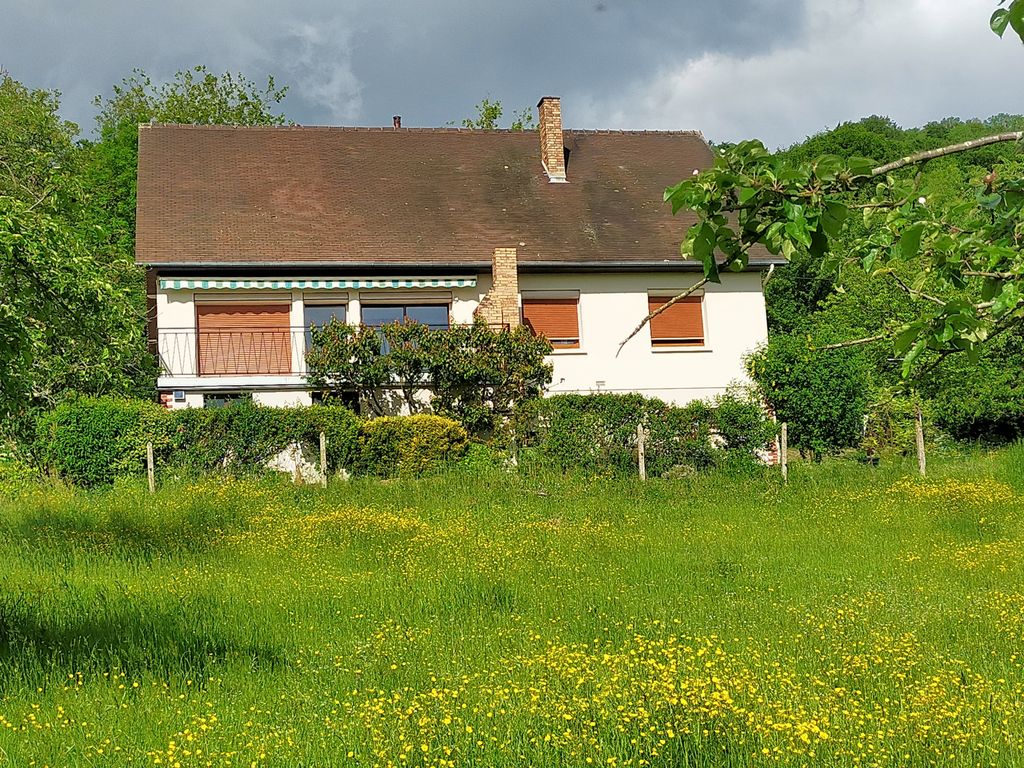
column 187, row 352
column 242, row 352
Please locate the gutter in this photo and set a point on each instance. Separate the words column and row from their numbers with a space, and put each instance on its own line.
column 325, row 269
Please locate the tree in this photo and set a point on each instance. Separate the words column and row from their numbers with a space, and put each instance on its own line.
column 488, row 113
column 475, row 374
column 192, row 96
column 63, row 324
column 966, row 259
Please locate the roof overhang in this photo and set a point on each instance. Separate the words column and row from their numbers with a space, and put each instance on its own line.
column 308, row 284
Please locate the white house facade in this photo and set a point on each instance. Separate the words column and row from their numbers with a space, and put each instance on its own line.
column 252, row 235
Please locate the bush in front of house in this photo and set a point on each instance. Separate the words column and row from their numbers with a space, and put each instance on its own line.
column 91, row 441
column 597, row 434
column 243, row 436
column 409, row 446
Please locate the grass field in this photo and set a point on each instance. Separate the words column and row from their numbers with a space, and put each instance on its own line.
column 858, row 617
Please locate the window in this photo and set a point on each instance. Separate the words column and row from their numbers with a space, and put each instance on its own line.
column 434, row 316
column 556, row 318
column 320, row 315
column 681, row 325
column 242, row 338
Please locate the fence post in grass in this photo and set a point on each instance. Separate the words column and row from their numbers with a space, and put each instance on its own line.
column 919, row 439
column 323, row 459
column 150, row 473
column 641, row 447
column 784, row 451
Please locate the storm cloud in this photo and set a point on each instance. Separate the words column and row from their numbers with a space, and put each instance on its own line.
column 731, row 68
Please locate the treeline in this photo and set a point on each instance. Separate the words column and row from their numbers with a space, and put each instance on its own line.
column 72, row 318
column 855, row 396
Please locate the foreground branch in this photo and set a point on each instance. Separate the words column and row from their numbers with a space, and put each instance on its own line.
column 953, row 149
column 852, row 343
column 674, row 300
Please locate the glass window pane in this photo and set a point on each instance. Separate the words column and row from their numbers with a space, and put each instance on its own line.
column 433, row 315
column 380, row 315
column 321, row 314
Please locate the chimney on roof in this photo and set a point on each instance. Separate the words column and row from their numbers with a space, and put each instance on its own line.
column 396, row 121
column 552, row 146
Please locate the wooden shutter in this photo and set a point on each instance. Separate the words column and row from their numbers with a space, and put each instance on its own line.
column 681, row 325
column 244, row 339
column 557, row 319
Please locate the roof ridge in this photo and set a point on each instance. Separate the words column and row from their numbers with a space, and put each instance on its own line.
column 390, row 129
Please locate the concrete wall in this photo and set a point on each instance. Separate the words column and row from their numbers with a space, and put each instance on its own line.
column 612, row 305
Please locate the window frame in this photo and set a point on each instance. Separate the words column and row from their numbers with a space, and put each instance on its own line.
column 680, row 344
column 573, row 296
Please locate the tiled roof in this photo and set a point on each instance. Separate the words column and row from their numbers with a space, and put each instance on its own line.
column 217, row 195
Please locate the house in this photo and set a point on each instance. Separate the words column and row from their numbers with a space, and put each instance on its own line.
column 252, row 234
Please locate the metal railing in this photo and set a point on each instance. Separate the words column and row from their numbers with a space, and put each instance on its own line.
column 242, row 352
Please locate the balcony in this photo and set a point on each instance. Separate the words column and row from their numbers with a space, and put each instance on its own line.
column 186, row 352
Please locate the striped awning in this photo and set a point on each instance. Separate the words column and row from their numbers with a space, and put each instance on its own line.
column 189, row 283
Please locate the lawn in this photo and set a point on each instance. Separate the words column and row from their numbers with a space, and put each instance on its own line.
column 859, row 616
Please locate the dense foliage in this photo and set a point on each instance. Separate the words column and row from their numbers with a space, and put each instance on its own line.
column 409, row 446
column 93, row 441
column 822, row 395
column 597, row 434
column 474, row 374
column 64, row 323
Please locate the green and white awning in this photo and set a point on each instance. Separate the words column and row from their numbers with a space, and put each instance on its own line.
column 190, row 283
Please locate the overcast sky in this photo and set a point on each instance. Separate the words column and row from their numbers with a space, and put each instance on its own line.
column 779, row 70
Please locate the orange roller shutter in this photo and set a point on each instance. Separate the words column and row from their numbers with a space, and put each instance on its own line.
column 681, row 325
column 557, row 319
column 244, row 339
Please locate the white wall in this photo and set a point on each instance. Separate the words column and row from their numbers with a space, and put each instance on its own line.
column 612, row 305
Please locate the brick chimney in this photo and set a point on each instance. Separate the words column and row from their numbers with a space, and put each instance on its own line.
column 501, row 304
column 552, row 147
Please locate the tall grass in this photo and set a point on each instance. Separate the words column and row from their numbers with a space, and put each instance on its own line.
column 856, row 616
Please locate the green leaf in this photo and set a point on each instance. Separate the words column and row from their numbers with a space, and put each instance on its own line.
column 819, row 243
column 745, row 194
column 906, row 337
column 912, row 355
column 999, row 21
column 910, row 241
column 832, row 218
column 1017, row 18
column 704, row 251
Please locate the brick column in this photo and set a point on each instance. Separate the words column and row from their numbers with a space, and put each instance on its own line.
column 501, row 304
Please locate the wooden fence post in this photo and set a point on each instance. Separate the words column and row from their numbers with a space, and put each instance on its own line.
column 919, row 430
column 641, row 448
column 784, row 451
column 150, row 473
column 323, row 459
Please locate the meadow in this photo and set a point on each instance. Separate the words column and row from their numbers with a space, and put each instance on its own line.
column 859, row 616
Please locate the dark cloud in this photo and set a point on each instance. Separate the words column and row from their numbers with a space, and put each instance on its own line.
column 778, row 69
column 362, row 61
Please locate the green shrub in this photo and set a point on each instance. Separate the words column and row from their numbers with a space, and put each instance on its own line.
column 409, row 446
column 821, row 394
column 596, row 434
column 91, row 441
column 243, row 436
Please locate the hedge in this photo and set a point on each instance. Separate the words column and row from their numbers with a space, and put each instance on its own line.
column 93, row 441
column 409, row 446
column 596, row 434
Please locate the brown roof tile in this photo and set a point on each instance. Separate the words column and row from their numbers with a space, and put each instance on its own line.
column 217, row 195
